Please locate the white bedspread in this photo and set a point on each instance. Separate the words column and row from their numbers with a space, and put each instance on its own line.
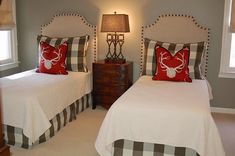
column 31, row 99
column 171, row 113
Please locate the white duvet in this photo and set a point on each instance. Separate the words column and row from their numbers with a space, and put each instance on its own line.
column 30, row 99
column 171, row 113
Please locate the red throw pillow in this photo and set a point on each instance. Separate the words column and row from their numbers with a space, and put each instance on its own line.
column 172, row 68
column 52, row 60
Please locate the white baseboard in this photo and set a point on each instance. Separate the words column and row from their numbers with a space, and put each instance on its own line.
column 223, row 110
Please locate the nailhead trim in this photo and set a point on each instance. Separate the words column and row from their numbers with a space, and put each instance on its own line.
column 85, row 22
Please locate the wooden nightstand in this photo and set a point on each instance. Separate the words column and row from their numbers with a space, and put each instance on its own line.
column 110, row 81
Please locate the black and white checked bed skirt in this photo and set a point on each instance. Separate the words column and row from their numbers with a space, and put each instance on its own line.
column 14, row 135
column 132, row 148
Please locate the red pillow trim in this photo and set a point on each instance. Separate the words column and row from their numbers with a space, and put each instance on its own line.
column 172, row 68
column 52, row 59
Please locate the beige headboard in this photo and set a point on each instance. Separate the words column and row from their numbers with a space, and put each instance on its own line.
column 71, row 25
column 176, row 29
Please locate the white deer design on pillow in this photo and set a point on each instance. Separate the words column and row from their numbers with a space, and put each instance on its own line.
column 49, row 62
column 171, row 71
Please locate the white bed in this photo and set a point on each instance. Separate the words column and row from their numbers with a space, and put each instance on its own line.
column 162, row 117
column 36, row 98
column 36, row 103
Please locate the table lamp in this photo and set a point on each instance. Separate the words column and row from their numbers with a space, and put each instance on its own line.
column 115, row 25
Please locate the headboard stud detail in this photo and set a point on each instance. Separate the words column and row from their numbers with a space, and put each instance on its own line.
column 175, row 15
column 68, row 14
column 83, row 23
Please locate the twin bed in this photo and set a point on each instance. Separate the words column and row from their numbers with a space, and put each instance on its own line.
column 37, row 105
column 165, row 118
column 151, row 118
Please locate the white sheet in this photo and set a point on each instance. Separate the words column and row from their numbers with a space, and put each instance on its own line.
column 171, row 113
column 31, row 99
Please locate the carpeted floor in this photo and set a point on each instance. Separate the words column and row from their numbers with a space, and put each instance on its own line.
column 78, row 137
column 226, row 126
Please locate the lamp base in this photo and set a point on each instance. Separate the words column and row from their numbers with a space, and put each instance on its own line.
column 117, row 61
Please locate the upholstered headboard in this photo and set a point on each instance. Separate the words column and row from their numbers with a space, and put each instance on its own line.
column 71, row 25
column 176, row 29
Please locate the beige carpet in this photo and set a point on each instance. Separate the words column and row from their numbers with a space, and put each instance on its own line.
column 226, row 126
column 78, row 137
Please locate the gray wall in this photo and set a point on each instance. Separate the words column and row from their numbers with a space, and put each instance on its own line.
column 209, row 13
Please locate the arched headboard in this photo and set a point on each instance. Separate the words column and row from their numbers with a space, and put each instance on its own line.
column 71, row 25
column 176, row 29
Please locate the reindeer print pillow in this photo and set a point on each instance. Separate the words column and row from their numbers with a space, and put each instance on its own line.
column 52, row 59
column 76, row 52
column 172, row 67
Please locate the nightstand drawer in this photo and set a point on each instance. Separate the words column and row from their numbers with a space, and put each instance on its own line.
column 99, row 79
column 112, row 74
column 111, row 70
column 110, row 89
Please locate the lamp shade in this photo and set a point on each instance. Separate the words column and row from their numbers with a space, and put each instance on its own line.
column 115, row 23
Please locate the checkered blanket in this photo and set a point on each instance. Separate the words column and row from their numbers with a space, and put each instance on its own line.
column 14, row 135
column 132, row 148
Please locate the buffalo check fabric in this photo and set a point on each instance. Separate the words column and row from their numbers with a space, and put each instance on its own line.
column 14, row 136
column 132, row 148
column 77, row 50
column 197, row 51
